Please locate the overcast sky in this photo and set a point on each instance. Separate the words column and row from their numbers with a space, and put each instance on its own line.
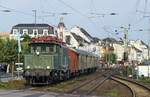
column 99, row 26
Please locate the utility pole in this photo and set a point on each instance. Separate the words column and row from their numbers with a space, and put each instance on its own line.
column 149, row 50
column 125, row 54
column 149, row 43
column 35, row 12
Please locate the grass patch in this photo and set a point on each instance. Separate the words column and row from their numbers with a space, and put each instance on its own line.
column 64, row 86
column 145, row 81
column 14, row 84
column 112, row 93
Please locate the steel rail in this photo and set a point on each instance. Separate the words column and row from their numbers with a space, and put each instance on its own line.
column 97, row 85
column 131, row 90
column 148, row 88
column 87, row 82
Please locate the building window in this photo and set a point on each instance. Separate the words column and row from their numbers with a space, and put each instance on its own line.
column 25, row 31
column 35, row 32
column 15, row 31
column 45, row 32
column 68, row 38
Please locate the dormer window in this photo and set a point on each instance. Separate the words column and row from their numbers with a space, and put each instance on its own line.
column 35, row 32
column 45, row 32
column 25, row 31
column 15, row 31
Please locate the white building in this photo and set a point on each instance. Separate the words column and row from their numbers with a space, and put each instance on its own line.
column 33, row 30
column 143, row 70
column 118, row 50
column 135, row 55
column 139, row 44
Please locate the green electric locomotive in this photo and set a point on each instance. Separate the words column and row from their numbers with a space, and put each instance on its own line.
column 50, row 60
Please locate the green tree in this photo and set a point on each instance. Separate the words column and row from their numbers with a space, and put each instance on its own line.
column 2, row 50
column 9, row 50
column 111, row 58
column 26, row 38
column 25, row 50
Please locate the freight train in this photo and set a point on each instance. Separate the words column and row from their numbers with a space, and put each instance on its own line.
column 50, row 60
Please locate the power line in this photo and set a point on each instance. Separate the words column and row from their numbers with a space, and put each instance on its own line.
column 145, row 7
column 75, row 10
column 14, row 10
column 8, row 9
column 135, row 12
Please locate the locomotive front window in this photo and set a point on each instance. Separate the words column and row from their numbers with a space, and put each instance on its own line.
column 52, row 48
column 43, row 48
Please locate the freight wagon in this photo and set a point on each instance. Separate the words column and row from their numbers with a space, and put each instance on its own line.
column 50, row 60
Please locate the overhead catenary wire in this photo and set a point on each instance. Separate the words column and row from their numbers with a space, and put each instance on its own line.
column 99, row 15
column 20, row 12
column 134, row 12
column 15, row 10
column 145, row 7
column 77, row 11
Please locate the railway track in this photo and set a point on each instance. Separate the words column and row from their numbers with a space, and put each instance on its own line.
column 89, row 86
column 136, row 89
column 45, row 88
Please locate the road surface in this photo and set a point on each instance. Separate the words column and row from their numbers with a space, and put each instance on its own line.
column 28, row 93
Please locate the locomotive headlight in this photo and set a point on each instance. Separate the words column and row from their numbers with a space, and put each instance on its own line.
column 37, row 53
column 28, row 67
column 48, row 67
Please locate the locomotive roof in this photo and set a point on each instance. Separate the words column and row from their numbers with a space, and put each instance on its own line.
column 47, row 39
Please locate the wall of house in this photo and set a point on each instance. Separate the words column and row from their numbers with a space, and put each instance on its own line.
column 132, row 54
column 144, row 70
column 138, row 44
column 118, row 50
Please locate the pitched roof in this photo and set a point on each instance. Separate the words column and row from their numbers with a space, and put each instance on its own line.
column 144, row 43
column 136, row 49
column 32, row 25
column 79, row 38
column 95, row 39
column 85, row 33
column 111, row 40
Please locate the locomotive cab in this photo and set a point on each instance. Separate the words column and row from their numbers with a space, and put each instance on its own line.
column 43, row 61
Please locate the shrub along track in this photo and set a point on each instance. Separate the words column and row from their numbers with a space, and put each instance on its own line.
column 138, row 90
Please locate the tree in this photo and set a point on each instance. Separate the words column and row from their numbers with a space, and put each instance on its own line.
column 25, row 50
column 26, row 38
column 8, row 51
column 110, row 58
